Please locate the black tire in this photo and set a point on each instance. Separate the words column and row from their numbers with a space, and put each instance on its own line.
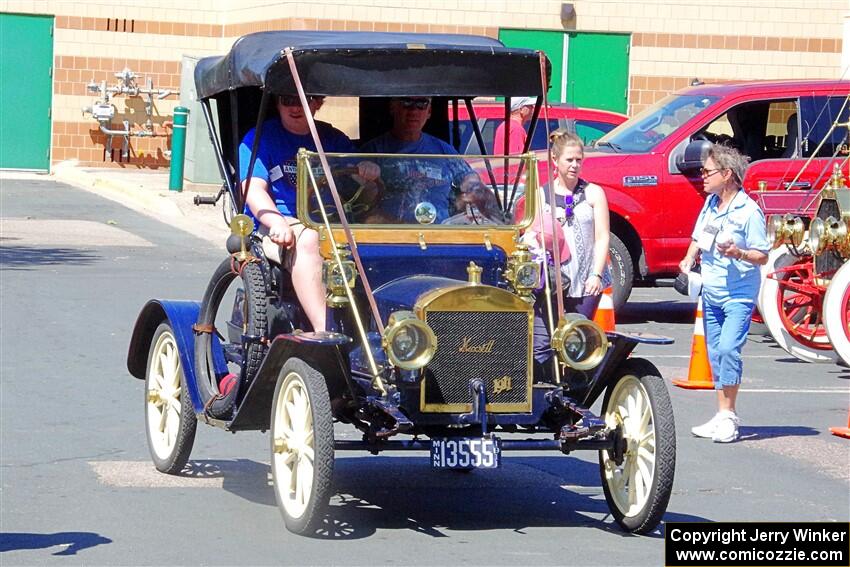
column 255, row 316
column 622, row 271
column 636, row 512
column 170, row 420
column 301, row 515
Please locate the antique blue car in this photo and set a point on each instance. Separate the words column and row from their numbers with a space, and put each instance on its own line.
column 430, row 293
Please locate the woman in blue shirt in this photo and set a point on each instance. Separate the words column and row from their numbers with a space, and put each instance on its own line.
column 730, row 237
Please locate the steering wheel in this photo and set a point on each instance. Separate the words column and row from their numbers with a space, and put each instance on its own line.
column 358, row 196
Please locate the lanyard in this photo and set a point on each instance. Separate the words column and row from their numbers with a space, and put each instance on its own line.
column 728, row 212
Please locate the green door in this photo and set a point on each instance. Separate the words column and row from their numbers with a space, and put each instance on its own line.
column 597, row 70
column 549, row 42
column 26, row 84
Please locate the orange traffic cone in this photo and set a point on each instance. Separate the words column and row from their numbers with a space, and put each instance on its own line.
column 842, row 431
column 604, row 315
column 699, row 372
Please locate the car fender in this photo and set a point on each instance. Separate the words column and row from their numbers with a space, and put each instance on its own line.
column 321, row 350
column 181, row 315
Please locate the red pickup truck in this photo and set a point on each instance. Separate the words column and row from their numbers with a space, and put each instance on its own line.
column 649, row 165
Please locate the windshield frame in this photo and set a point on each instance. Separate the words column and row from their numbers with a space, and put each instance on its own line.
column 503, row 236
column 622, row 138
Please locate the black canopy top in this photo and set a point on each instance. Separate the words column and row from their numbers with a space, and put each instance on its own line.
column 335, row 63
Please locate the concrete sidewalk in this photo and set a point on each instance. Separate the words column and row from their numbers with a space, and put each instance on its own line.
column 147, row 192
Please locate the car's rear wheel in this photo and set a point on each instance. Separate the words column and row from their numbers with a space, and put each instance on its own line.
column 637, row 478
column 622, row 271
column 836, row 312
column 302, row 444
column 169, row 417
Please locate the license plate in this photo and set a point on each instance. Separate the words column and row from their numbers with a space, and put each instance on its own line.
column 466, row 452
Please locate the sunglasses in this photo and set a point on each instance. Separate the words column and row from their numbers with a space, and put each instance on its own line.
column 417, row 103
column 706, row 173
column 293, row 100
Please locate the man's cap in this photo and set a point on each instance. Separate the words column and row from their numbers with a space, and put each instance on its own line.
column 517, row 103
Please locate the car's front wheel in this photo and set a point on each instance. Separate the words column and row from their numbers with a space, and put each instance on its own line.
column 169, row 417
column 302, row 444
column 637, row 476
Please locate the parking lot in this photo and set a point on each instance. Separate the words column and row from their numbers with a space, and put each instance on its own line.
column 77, row 479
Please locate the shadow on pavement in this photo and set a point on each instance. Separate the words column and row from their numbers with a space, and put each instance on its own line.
column 378, row 493
column 765, row 432
column 75, row 541
column 247, row 479
column 28, row 257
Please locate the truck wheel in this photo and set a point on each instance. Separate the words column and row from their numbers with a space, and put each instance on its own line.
column 302, row 443
column 169, row 417
column 637, row 406
column 622, row 271
column 836, row 312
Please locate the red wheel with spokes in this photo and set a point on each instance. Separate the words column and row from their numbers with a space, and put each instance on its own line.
column 791, row 302
column 836, row 312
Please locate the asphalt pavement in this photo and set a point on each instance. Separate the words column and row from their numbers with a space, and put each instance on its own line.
column 77, row 485
column 147, row 191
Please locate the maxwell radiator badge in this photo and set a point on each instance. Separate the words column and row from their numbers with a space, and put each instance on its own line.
column 640, row 180
column 502, row 384
column 484, row 348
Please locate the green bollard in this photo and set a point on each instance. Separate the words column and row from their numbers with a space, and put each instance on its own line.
column 178, row 148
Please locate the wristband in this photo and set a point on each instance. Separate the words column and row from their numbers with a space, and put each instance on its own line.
column 741, row 255
column 598, row 275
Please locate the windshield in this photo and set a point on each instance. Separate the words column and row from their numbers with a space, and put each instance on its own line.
column 416, row 190
column 646, row 130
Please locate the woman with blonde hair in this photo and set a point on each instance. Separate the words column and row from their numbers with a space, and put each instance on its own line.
column 581, row 209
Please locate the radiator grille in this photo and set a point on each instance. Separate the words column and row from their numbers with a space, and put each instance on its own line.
column 492, row 347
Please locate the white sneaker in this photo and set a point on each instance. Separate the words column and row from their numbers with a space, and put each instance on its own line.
column 726, row 429
column 706, row 430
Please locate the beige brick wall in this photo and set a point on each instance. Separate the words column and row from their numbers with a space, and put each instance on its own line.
column 671, row 43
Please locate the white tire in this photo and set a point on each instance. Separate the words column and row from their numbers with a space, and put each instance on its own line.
column 836, row 312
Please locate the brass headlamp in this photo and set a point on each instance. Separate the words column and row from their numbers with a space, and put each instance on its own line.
column 522, row 273
column 785, row 229
column 580, row 343
column 335, row 279
column 409, row 341
column 826, row 233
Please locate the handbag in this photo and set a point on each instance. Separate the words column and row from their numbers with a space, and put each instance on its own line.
column 689, row 283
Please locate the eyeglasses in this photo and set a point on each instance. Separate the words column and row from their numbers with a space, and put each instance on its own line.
column 568, row 207
column 293, row 100
column 417, row 103
column 706, row 173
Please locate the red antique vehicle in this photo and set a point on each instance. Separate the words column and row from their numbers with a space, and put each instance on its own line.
column 805, row 297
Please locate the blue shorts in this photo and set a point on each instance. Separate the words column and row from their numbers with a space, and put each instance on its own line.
column 726, row 329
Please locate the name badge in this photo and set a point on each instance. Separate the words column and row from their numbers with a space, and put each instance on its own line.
column 275, row 173
column 707, row 238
